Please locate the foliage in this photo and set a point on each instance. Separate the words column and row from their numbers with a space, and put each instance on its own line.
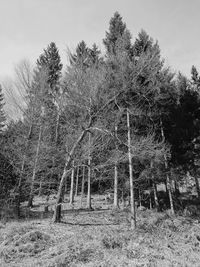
column 92, row 98
column 2, row 113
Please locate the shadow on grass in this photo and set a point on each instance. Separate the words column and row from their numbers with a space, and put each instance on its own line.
column 30, row 214
column 88, row 224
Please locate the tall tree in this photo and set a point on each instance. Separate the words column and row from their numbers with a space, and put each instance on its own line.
column 2, row 113
column 142, row 44
column 117, row 30
column 50, row 60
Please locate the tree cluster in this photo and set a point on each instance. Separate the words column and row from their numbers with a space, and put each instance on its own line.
column 121, row 122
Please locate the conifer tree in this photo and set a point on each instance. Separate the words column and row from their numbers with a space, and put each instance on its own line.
column 81, row 55
column 195, row 76
column 142, row 44
column 51, row 62
column 117, row 30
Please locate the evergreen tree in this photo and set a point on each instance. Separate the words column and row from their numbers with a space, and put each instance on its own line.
column 51, row 62
column 195, row 76
column 85, row 57
column 81, row 56
column 117, row 31
column 94, row 54
column 142, row 44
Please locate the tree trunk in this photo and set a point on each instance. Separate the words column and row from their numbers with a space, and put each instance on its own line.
column 83, row 185
column 55, row 142
column 77, row 180
column 30, row 200
column 170, row 194
column 71, row 196
column 116, row 202
column 89, row 177
column 19, row 187
column 57, row 127
column 150, row 200
column 155, row 195
column 40, row 188
column 197, row 186
column 57, row 212
column 168, row 182
column 133, row 211
column 140, row 199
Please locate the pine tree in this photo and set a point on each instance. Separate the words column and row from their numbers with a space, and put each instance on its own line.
column 51, row 62
column 81, row 55
column 94, row 55
column 117, row 31
column 85, row 57
column 142, row 44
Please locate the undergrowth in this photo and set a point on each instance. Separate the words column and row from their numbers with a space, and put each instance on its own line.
column 103, row 239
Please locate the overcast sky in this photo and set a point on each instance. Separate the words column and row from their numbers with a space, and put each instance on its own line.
column 28, row 26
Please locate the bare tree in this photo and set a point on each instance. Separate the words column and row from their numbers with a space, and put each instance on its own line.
column 168, row 181
column 77, row 180
column 133, row 211
column 89, row 175
column 30, row 201
column 82, row 185
column 71, row 197
column 116, row 201
column 19, row 186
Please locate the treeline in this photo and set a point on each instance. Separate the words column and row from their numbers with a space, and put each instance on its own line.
column 122, row 121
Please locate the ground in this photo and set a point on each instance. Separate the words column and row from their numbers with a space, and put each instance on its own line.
column 101, row 237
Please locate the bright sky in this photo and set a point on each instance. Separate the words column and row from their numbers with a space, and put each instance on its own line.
column 28, row 26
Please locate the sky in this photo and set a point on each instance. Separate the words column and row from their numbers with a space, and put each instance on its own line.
column 28, row 26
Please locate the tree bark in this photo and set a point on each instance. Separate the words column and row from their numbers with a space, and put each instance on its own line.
column 77, row 180
column 71, row 196
column 133, row 211
column 170, row 194
column 197, row 186
column 89, row 176
column 19, row 187
column 168, row 181
column 30, row 200
column 140, row 198
column 116, row 201
column 83, row 185
column 150, row 200
column 155, row 195
column 55, row 143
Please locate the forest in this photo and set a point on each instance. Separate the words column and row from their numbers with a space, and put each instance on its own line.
column 117, row 127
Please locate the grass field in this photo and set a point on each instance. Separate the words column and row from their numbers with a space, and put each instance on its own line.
column 101, row 237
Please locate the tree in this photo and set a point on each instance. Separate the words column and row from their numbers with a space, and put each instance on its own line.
column 46, row 95
column 83, row 92
column 142, row 44
column 117, row 29
column 2, row 113
column 50, row 60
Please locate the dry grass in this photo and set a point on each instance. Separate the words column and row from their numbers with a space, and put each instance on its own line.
column 101, row 238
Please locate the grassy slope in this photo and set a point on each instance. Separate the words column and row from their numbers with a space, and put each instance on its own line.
column 101, row 238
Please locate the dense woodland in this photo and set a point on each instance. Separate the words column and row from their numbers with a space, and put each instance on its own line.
column 120, row 123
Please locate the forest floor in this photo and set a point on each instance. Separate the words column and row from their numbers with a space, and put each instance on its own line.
column 100, row 237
